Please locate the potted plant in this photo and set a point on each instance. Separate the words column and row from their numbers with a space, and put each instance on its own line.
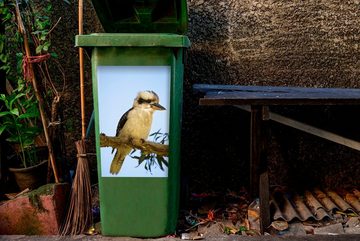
column 18, row 117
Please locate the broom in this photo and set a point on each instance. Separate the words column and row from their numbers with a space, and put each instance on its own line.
column 79, row 216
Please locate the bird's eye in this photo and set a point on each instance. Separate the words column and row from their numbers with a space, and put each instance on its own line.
column 141, row 101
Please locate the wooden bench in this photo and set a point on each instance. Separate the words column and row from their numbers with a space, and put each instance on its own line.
column 256, row 100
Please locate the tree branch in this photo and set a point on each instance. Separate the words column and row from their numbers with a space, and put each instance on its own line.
column 144, row 146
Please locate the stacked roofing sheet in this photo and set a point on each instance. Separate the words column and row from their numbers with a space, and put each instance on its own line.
column 314, row 205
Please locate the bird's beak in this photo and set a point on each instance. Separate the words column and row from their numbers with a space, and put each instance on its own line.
column 157, row 106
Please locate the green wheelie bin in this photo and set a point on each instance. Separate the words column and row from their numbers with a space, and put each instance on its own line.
column 137, row 76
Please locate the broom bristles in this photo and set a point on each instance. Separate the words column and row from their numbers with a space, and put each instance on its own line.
column 79, row 215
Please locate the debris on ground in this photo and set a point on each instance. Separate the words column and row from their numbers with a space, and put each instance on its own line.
column 332, row 229
column 352, row 226
column 214, row 214
column 234, row 213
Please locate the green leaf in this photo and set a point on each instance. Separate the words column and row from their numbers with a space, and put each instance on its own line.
column 2, row 128
column 19, row 55
column 28, row 142
column 54, row 55
column 166, row 162
column 39, row 49
column 242, row 228
column 46, row 46
column 42, row 37
column 15, row 111
column 36, row 32
column 156, row 133
column 3, row 57
column 141, row 159
column 159, row 161
column 4, row 113
column 29, row 114
column 6, row 68
column 15, row 98
column 32, row 131
column 13, row 138
column 3, row 97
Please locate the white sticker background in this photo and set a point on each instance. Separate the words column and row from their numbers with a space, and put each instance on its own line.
column 117, row 89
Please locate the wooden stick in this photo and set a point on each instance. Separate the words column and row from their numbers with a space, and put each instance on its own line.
column 37, row 94
column 81, row 70
column 315, row 131
column 309, row 129
column 145, row 146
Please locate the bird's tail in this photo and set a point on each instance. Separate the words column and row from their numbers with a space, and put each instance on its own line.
column 118, row 160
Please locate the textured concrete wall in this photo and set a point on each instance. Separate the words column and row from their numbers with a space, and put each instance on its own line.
column 281, row 43
column 312, row 43
column 307, row 43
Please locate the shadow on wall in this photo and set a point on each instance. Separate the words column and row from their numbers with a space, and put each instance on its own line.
column 212, row 156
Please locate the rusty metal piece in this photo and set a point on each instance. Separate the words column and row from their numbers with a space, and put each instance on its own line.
column 302, row 209
column 357, row 193
column 344, row 206
column 329, row 205
column 277, row 213
column 288, row 210
column 353, row 201
column 315, row 206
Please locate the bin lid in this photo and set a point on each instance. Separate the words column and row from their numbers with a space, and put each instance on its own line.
column 142, row 16
column 132, row 40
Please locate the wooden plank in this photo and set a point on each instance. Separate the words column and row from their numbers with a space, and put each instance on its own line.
column 226, row 99
column 271, row 101
column 264, row 198
column 315, row 131
column 268, row 95
column 274, row 89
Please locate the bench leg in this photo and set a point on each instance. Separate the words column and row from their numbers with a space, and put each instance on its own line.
column 259, row 179
column 264, row 196
column 256, row 148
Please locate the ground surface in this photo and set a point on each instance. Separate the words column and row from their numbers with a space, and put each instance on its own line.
column 221, row 238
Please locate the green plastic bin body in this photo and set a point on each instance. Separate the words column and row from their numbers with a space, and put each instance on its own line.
column 145, row 204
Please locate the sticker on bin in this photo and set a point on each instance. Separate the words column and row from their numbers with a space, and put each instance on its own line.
column 133, row 107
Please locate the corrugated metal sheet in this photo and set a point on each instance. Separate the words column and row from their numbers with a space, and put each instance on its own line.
column 314, row 205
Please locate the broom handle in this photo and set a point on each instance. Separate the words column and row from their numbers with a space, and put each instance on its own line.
column 81, row 70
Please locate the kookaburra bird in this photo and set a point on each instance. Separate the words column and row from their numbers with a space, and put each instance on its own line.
column 135, row 124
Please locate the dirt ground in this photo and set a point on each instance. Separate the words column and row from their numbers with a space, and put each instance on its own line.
column 210, row 238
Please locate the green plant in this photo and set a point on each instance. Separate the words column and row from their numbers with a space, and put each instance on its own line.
column 152, row 159
column 17, row 112
column 31, row 88
column 18, row 108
